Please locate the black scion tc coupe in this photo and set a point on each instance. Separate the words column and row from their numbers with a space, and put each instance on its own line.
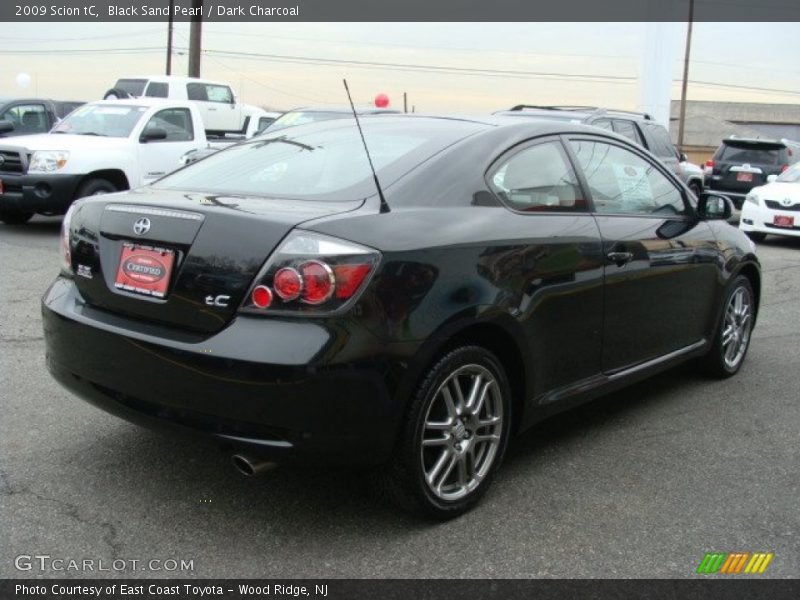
column 269, row 297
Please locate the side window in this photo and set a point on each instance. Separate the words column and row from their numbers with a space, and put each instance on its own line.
column 662, row 144
column 157, row 90
column 538, row 178
column 196, row 91
column 628, row 129
column 602, row 124
column 207, row 92
column 177, row 122
column 622, row 182
column 263, row 123
column 27, row 118
column 219, row 93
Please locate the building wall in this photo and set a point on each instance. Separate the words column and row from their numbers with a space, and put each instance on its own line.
column 699, row 154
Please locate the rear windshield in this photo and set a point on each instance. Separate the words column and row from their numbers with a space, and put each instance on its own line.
column 135, row 87
column 750, row 153
column 324, row 161
column 301, row 117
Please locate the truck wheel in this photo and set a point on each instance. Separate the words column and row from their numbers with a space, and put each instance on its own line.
column 15, row 218
column 95, row 187
column 696, row 188
column 116, row 94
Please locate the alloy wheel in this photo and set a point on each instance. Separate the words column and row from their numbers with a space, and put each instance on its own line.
column 736, row 327
column 462, row 432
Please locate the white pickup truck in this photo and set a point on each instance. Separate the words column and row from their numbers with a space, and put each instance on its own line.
column 219, row 108
column 102, row 147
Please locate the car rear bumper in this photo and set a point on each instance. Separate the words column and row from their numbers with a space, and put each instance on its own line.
column 40, row 192
column 265, row 385
column 761, row 219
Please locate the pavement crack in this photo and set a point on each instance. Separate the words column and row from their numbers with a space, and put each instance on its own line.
column 110, row 534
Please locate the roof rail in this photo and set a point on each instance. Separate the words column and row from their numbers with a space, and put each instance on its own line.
column 595, row 110
column 615, row 111
column 541, row 107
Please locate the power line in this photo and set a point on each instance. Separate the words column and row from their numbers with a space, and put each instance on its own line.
column 744, row 87
column 589, row 77
column 135, row 50
column 247, row 77
column 738, row 65
column 81, row 39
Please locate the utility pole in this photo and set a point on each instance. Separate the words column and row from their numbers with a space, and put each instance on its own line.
column 682, row 120
column 195, row 35
column 169, row 38
column 405, row 102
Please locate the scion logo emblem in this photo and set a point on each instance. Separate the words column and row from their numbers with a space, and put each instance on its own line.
column 787, row 202
column 141, row 226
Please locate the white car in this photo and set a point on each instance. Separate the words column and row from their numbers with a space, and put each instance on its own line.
column 219, row 109
column 773, row 208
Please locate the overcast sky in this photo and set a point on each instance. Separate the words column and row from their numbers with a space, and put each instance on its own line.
column 597, row 63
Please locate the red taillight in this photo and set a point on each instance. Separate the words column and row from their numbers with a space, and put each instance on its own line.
column 288, row 284
column 710, row 164
column 318, row 282
column 348, row 278
column 784, row 167
column 261, row 296
column 312, row 274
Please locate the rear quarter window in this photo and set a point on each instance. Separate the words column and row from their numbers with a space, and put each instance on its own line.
column 660, row 142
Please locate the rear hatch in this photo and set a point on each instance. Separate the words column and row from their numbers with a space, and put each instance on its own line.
column 180, row 259
column 741, row 165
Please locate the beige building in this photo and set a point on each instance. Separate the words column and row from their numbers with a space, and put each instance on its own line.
column 708, row 123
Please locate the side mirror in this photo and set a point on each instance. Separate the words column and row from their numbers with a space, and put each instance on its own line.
column 152, row 134
column 683, row 157
column 711, row 206
column 6, row 127
column 770, row 178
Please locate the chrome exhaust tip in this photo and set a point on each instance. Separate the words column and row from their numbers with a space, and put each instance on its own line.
column 250, row 466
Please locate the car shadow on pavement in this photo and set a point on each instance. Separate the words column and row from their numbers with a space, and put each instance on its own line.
column 199, row 480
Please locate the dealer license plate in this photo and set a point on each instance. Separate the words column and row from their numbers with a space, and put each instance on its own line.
column 144, row 269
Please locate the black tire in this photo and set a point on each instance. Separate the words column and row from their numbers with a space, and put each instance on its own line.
column 95, row 187
column 715, row 363
column 15, row 218
column 116, row 93
column 696, row 188
column 756, row 236
column 403, row 480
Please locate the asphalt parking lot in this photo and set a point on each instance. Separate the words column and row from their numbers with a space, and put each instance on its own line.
column 639, row 484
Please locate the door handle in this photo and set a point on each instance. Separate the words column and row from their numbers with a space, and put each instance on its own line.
column 620, row 258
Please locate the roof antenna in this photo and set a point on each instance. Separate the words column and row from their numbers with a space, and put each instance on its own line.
column 384, row 205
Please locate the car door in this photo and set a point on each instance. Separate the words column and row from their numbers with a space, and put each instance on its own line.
column 28, row 118
column 159, row 157
column 660, row 260
column 217, row 106
column 558, row 268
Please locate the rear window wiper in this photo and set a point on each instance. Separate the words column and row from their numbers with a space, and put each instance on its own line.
column 92, row 133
